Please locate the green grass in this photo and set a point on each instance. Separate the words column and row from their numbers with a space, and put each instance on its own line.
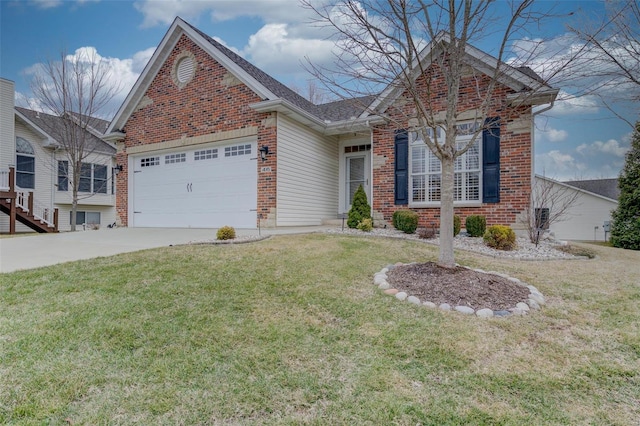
column 291, row 331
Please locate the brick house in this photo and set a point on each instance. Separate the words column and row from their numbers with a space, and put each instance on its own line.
column 207, row 139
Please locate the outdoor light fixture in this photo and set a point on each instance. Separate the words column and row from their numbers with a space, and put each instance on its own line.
column 264, row 150
column 117, row 168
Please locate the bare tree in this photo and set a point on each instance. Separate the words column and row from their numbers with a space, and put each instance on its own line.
column 609, row 66
column 415, row 49
column 312, row 92
column 549, row 203
column 74, row 89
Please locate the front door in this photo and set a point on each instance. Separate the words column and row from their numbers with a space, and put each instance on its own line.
column 356, row 174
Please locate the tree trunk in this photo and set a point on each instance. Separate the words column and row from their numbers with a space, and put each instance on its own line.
column 74, row 209
column 446, row 259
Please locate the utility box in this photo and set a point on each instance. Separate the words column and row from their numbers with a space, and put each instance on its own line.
column 606, row 226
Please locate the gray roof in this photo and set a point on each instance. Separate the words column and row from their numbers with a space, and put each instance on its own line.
column 605, row 187
column 332, row 111
column 50, row 123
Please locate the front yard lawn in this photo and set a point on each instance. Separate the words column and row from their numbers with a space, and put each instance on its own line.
column 291, row 331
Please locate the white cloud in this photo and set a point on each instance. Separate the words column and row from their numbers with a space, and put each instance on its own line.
column 46, row 4
column 558, row 165
column 274, row 50
column 567, row 104
column 554, row 135
column 597, row 148
column 122, row 75
column 162, row 12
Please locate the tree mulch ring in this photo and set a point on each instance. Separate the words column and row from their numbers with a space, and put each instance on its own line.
column 457, row 286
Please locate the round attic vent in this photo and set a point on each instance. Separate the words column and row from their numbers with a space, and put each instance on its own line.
column 184, row 68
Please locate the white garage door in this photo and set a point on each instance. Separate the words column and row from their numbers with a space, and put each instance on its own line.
column 196, row 188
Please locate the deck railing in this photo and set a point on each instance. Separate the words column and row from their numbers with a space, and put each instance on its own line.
column 25, row 200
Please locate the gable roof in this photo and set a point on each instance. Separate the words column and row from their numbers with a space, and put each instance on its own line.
column 45, row 123
column 330, row 118
column 273, row 93
column 529, row 87
column 605, row 187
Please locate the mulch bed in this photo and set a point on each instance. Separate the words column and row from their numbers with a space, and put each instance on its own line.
column 457, row 286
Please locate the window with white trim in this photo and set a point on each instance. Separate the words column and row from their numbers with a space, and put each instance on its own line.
column 232, row 151
column 63, row 175
column 93, row 178
column 87, row 218
column 425, row 183
column 25, row 164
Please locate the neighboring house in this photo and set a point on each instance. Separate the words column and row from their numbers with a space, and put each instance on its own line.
column 207, row 139
column 586, row 217
column 41, row 173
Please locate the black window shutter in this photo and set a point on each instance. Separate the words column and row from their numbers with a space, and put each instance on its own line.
column 401, row 186
column 491, row 161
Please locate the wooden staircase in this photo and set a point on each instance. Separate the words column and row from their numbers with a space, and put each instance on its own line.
column 21, row 206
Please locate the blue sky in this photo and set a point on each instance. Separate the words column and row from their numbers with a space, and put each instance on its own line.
column 578, row 139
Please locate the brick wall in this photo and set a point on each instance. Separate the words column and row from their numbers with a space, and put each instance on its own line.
column 213, row 101
column 515, row 153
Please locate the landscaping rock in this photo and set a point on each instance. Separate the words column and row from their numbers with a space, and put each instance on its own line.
column 518, row 311
column 537, row 297
column 391, row 291
column 445, row 306
column 379, row 278
column 533, row 304
column 384, row 285
column 484, row 313
column 501, row 313
column 413, row 299
column 522, row 306
column 401, row 295
column 465, row 310
column 429, row 305
column 384, row 270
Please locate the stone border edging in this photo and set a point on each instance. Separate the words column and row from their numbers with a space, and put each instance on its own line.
column 233, row 241
column 535, row 301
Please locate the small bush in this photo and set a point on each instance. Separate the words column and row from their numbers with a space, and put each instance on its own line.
column 500, row 237
column 226, row 233
column 427, row 233
column 365, row 225
column 457, row 224
column 405, row 221
column 476, row 225
column 360, row 208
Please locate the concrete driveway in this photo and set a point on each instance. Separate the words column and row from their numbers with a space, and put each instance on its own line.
column 33, row 251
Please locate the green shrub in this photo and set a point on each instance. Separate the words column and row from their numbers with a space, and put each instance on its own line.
column 226, row 233
column 405, row 221
column 366, row 225
column 476, row 225
column 500, row 237
column 360, row 208
column 457, row 224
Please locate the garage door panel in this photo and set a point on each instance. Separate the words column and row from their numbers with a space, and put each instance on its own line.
column 199, row 192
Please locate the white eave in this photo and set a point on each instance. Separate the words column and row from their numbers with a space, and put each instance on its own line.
column 49, row 141
column 304, row 117
column 114, row 136
column 545, row 95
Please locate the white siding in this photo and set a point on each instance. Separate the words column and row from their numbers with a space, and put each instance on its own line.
column 7, row 135
column 107, row 216
column 65, row 197
column 588, row 212
column 307, row 175
column 43, row 174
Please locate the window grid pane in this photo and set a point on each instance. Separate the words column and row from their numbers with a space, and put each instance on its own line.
column 426, row 169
